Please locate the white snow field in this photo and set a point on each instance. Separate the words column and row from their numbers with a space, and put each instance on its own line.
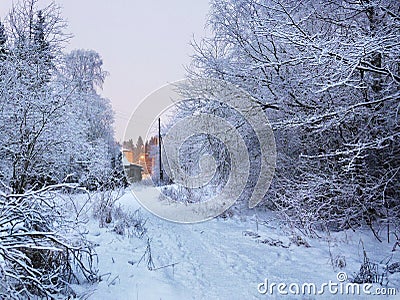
column 228, row 259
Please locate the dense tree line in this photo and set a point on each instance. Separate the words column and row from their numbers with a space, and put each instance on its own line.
column 327, row 74
column 56, row 137
column 55, row 126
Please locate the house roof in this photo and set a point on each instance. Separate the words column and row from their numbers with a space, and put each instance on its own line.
column 125, row 161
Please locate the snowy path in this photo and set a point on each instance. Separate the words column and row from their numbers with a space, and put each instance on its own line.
column 209, row 263
column 217, row 259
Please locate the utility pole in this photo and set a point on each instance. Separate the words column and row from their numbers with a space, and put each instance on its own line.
column 159, row 150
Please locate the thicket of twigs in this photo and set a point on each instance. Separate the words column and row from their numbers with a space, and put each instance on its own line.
column 41, row 251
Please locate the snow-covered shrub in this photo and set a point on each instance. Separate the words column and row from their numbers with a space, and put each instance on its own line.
column 339, row 261
column 299, row 241
column 147, row 257
column 129, row 223
column 109, row 215
column 394, row 268
column 368, row 272
column 104, row 205
column 41, row 252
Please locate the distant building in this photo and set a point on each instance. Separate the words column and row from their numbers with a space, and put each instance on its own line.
column 129, row 155
column 133, row 171
column 142, row 155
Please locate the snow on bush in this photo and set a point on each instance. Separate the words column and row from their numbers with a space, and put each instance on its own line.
column 41, row 250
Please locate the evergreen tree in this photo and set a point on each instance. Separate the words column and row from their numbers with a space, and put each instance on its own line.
column 3, row 41
column 139, row 150
column 41, row 49
column 140, row 144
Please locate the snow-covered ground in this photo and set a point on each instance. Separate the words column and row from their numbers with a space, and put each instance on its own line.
column 225, row 258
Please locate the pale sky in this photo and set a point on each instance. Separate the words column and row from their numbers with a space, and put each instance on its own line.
column 144, row 44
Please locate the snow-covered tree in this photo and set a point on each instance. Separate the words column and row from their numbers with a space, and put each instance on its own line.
column 327, row 75
column 91, row 119
column 32, row 105
column 3, row 40
column 41, row 250
column 55, row 124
